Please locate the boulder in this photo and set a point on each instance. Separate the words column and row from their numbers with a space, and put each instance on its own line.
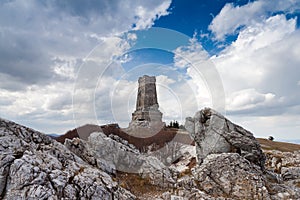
column 287, row 167
column 81, row 149
column 118, row 155
column 232, row 176
column 290, row 173
column 34, row 166
column 213, row 133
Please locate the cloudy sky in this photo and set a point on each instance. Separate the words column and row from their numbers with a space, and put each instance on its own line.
column 67, row 63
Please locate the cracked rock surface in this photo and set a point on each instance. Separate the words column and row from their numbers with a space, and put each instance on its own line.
column 230, row 175
column 33, row 166
column 213, row 133
column 118, row 155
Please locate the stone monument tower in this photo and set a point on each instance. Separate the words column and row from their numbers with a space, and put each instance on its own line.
column 146, row 103
column 146, row 119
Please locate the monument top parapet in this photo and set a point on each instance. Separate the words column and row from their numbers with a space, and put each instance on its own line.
column 147, row 79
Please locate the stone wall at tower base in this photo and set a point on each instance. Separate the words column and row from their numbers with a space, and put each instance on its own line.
column 144, row 129
column 150, row 115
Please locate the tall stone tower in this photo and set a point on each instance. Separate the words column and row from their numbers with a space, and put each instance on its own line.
column 146, row 103
column 146, row 119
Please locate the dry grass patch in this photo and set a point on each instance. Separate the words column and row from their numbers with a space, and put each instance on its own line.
column 279, row 146
column 137, row 185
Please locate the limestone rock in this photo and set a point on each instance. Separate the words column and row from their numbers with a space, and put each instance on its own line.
column 33, row 166
column 82, row 150
column 122, row 156
column 290, row 173
column 276, row 160
column 213, row 133
column 287, row 166
column 230, row 175
column 193, row 194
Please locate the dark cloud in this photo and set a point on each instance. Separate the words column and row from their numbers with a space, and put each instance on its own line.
column 60, row 102
column 23, row 59
column 11, row 83
column 33, row 34
column 44, row 43
column 83, row 8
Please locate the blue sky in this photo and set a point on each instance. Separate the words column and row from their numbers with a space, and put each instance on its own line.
column 76, row 62
column 194, row 17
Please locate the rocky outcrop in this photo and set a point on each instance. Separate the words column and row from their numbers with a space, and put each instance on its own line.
column 213, row 133
column 287, row 166
column 33, row 166
column 120, row 156
column 230, row 175
column 231, row 162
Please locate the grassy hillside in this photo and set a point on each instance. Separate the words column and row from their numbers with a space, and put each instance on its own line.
column 162, row 137
column 280, row 146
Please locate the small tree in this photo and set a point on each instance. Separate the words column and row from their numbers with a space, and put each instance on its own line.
column 271, row 138
column 171, row 124
column 176, row 124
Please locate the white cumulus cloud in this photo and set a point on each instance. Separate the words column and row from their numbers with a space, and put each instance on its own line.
column 260, row 68
column 231, row 17
column 248, row 99
column 44, row 43
column 186, row 56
